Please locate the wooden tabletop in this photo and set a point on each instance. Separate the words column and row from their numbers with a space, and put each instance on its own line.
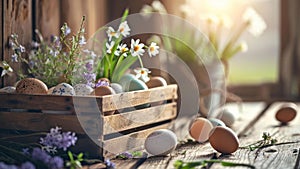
column 255, row 118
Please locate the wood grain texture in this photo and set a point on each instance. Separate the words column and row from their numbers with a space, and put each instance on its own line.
column 138, row 118
column 73, row 10
column 130, row 99
column 277, row 156
column 47, row 17
column 1, row 40
column 17, row 16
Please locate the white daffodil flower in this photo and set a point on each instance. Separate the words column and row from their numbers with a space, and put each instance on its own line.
column 109, row 47
column 136, row 48
column 153, row 49
column 256, row 24
column 142, row 73
column 111, row 33
column 124, row 29
column 6, row 68
column 123, row 49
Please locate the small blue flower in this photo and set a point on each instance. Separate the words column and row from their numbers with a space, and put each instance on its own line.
column 25, row 151
column 102, row 83
column 14, row 57
column 41, row 155
column 109, row 164
column 82, row 40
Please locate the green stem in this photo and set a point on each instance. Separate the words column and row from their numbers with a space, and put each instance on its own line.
column 141, row 62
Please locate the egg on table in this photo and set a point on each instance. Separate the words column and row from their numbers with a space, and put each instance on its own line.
column 286, row 112
column 200, row 129
column 228, row 117
column 8, row 89
column 83, row 89
column 216, row 122
column 224, row 140
column 31, row 86
column 161, row 142
column 63, row 89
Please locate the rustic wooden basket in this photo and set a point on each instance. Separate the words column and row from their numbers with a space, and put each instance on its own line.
column 116, row 133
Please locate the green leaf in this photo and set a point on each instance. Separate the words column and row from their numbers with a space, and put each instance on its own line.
column 125, row 14
column 122, row 67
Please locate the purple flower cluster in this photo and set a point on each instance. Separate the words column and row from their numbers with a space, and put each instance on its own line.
column 102, row 83
column 58, row 139
column 26, row 165
column 52, row 162
column 89, row 76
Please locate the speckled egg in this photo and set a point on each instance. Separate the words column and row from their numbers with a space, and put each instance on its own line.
column 83, row 89
column 160, row 142
column 156, row 81
column 8, row 89
column 200, row 129
column 51, row 90
column 63, row 89
column 117, row 87
column 224, row 140
column 286, row 112
column 31, row 86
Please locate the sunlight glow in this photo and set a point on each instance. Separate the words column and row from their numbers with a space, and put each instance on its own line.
column 218, row 4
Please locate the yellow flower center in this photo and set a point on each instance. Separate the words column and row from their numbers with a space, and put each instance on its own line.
column 136, row 48
column 123, row 49
column 152, row 49
column 143, row 72
column 122, row 29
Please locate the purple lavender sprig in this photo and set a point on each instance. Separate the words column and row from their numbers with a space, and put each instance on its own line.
column 57, row 139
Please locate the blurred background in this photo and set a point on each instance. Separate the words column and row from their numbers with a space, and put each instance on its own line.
column 268, row 69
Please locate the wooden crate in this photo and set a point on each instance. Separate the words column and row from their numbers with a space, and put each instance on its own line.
column 117, row 133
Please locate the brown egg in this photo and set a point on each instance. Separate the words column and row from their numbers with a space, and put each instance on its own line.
column 102, row 91
column 104, row 79
column 200, row 129
column 31, row 86
column 224, row 140
column 156, row 81
column 287, row 112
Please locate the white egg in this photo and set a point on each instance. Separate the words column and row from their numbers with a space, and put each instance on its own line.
column 228, row 117
column 161, row 142
column 63, row 89
column 8, row 89
column 117, row 87
column 51, row 90
column 83, row 89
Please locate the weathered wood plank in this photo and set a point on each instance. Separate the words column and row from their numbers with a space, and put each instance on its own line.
column 132, row 141
column 1, row 40
column 47, row 17
column 17, row 17
column 130, row 99
column 192, row 151
column 278, row 156
column 43, row 122
column 138, row 118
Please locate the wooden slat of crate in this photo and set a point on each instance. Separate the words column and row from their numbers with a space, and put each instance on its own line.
column 130, row 141
column 130, row 99
column 138, row 118
column 87, row 104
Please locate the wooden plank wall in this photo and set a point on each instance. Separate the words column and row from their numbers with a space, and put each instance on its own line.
column 23, row 16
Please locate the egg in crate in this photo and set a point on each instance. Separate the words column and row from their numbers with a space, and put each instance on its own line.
column 83, row 89
column 125, row 81
column 135, row 85
column 117, row 87
column 63, row 89
column 161, row 142
column 8, row 89
column 31, row 86
column 156, row 81
column 224, row 140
